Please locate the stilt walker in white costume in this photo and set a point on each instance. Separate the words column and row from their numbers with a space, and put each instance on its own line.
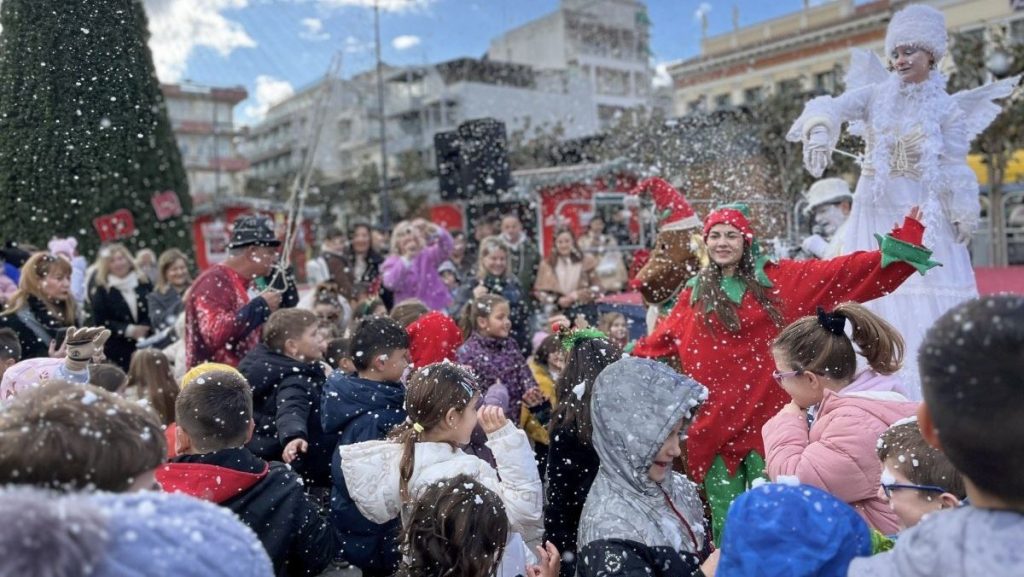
column 917, row 139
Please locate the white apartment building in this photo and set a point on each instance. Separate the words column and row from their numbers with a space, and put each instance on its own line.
column 202, row 119
column 279, row 144
column 606, row 42
column 420, row 101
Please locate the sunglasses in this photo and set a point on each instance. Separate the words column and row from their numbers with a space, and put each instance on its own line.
column 889, row 488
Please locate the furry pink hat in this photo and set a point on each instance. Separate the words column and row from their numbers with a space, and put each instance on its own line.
column 64, row 247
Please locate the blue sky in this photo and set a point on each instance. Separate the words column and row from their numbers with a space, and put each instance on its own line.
column 274, row 46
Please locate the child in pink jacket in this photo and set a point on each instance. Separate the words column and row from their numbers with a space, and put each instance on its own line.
column 815, row 362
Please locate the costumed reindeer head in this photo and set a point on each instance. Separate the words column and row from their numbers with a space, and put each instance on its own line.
column 679, row 247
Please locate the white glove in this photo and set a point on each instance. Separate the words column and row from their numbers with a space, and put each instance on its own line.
column 817, row 150
column 816, row 245
column 962, row 232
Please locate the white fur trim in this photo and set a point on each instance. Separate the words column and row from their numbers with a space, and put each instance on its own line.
column 918, row 25
column 684, row 224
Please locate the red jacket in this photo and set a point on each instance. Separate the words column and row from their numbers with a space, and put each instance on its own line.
column 221, row 323
column 737, row 367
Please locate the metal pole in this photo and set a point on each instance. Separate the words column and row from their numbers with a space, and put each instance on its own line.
column 385, row 199
column 216, row 147
column 995, row 199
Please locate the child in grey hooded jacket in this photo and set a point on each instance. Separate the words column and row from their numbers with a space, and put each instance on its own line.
column 642, row 518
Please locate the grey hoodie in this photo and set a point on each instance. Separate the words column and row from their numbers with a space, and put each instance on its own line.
column 635, row 405
column 967, row 542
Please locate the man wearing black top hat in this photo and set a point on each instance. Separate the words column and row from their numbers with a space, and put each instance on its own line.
column 221, row 322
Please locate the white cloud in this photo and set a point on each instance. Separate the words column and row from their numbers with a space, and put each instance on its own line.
column 314, row 30
column 354, row 45
column 269, row 91
column 703, row 10
column 385, row 5
column 405, row 42
column 661, row 76
column 179, row 26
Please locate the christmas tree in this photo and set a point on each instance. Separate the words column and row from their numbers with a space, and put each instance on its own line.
column 84, row 132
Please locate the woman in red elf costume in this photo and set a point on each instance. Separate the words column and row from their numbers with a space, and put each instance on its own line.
column 725, row 320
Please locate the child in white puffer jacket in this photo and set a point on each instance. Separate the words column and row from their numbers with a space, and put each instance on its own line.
column 384, row 477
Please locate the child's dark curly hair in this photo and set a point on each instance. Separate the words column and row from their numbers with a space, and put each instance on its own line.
column 456, row 527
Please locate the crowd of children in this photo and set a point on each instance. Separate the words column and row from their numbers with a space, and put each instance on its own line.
column 415, row 445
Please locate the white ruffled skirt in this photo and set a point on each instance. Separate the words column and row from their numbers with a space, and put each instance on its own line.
column 921, row 300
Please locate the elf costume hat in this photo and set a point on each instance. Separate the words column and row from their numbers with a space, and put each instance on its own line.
column 674, row 213
column 918, row 26
column 736, row 214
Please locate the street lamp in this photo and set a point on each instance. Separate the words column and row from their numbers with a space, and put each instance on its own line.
column 385, row 197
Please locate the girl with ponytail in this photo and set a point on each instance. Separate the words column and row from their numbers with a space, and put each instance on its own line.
column 385, row 477
column 816, row 365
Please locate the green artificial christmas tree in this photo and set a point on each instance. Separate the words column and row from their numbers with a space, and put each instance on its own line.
column 83, row 126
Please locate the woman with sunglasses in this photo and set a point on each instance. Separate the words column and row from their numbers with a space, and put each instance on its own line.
column 722, row 328
column 815, row 365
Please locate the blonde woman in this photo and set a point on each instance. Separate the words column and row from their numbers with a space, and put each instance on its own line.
column 42, row 308
column 119, row 302
column 173, row 278
column 494, row 276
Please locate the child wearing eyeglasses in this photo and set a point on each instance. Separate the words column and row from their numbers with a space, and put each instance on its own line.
column 971, row 378
column 917, row 479
column 816, row 364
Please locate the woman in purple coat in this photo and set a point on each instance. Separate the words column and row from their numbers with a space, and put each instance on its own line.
column 417, row 249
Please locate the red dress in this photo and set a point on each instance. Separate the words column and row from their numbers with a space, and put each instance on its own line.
column 737, row 367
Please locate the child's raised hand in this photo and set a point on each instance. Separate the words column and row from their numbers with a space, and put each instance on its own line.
column 491, row 418
column 549, row 560
column 293, row 448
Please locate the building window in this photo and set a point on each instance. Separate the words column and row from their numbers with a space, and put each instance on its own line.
column 642, row 83
column 825, row 81
column 723, row 101
column 695, row 106
column 753, row 95
column 1017, row 30
column 790, row 86
column 612, row 82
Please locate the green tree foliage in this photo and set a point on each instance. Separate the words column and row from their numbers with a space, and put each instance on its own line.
column 83, row 125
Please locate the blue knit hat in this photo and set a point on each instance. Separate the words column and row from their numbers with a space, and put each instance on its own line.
column 124, row 535
column 165, row 535
column 791, row 531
